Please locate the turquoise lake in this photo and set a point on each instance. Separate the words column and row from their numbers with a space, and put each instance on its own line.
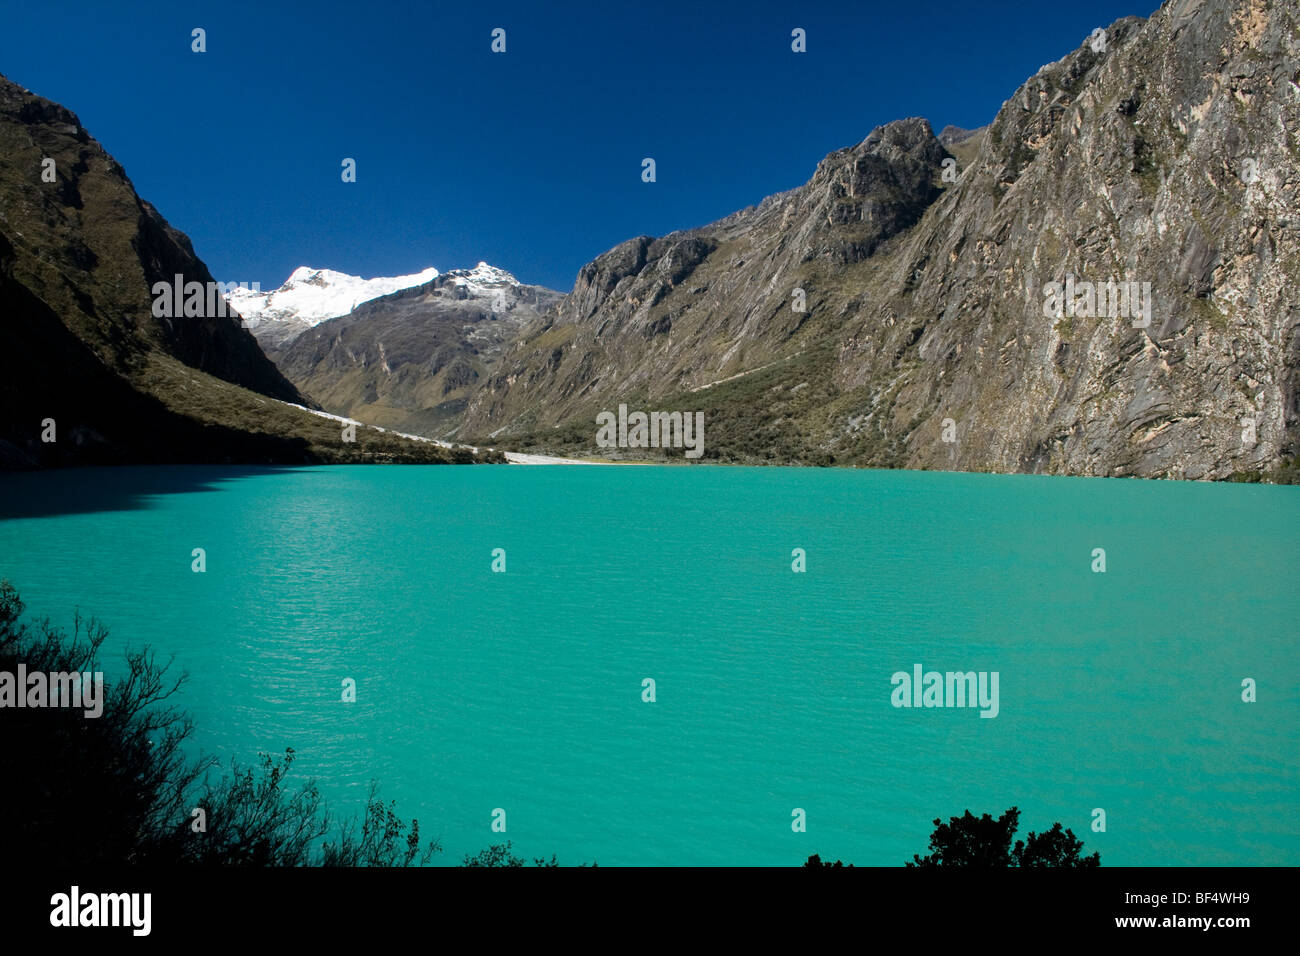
column 523, row 690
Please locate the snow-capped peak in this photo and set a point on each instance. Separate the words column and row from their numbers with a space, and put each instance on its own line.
column 482, row 278
column 310, row 296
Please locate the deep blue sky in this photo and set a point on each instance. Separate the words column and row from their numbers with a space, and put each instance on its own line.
column 531, row 159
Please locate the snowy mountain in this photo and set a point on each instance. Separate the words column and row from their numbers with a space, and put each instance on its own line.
column 482, row 280
column 310, row 296
column 409, row 360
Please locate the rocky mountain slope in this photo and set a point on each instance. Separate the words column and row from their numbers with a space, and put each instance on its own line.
column 658, row 317
column 882, row 315
column 81, row 346
column 409, row 360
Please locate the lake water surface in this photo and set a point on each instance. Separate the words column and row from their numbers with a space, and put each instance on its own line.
column 523, row 690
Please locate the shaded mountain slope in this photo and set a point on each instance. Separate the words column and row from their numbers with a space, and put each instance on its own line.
column 79, row 343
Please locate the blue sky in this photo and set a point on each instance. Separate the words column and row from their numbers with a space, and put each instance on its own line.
column 531, row 159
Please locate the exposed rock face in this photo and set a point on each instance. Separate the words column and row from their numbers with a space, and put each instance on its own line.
column 1168, row 158
column 1166, row 155
column 409, row 360
column 81, row 347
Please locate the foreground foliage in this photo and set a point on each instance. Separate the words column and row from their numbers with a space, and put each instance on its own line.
column 983, row 842
column 120, row 788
